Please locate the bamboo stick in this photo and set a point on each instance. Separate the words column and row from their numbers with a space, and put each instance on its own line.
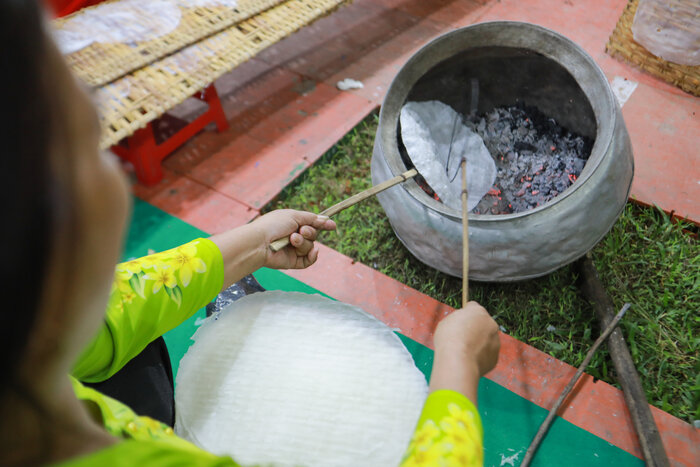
column 553, row 411
column 465, row 236
column 277, row 245
column 648, row 433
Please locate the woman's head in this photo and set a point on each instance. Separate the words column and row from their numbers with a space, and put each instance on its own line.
column 65, row 209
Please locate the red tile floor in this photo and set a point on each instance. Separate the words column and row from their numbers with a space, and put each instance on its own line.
column 285, row 112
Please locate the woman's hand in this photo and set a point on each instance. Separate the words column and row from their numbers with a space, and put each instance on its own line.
column 245, row 249
column 301, row 228
column 466, row 348
column 471, row 332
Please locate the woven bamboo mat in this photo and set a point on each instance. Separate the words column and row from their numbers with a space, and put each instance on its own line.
column 134, row 100
column 622, row 45
column 100, row 63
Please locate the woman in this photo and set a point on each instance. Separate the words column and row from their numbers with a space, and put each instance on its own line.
column 64, row 229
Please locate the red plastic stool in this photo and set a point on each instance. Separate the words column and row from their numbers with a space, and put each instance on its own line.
column 146, row 155
column 65, row 7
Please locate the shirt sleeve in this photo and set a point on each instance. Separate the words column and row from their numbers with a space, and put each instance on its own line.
column 150, row 296
column 143, row 440
column 449, row 432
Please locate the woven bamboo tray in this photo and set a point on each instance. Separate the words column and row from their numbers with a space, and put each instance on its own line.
column 622, row 46
column 134, row 100
column 101, row 63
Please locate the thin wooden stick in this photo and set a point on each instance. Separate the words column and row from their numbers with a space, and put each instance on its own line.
column 465, row 236
column 553, row 412
column 626, row 372
column 277, row 245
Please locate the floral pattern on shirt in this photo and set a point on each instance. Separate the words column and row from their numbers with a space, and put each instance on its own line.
column 448, row 434
column 170, row 272
column 144, row 305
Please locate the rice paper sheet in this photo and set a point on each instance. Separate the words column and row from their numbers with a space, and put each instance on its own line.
column 289, row 379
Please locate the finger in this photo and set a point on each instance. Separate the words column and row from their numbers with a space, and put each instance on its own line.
column 300, row 244
column 306, row 218
column 311, row 257
column 315, row 220
column 308, row 232
column 296, row 240
column 476, row 307
column 327, row 224
column 304, row 248
column 324, row 223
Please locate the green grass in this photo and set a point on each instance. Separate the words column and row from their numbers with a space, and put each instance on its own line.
column 646, row 260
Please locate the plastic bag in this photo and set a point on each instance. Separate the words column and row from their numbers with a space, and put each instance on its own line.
column 426, row 131
column 669, row 29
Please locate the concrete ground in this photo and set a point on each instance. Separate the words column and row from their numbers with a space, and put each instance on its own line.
column 285, row 113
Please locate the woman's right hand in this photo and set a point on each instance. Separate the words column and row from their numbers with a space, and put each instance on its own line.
column 466, row 347
column 300, row 227
column 472, row 332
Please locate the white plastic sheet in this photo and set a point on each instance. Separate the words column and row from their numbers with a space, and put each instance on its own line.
column 126, row 21
column 669, row 29
column 426, row 131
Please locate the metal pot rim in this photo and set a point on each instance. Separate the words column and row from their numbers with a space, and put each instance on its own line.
column 556, row 47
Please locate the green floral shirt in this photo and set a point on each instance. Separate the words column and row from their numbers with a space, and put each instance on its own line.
column 154, row 294
column 150, row 296
column 448, row 434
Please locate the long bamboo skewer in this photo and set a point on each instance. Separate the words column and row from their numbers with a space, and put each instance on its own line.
column 648, row 433
column 553, row 411
column 277, row 245
column 465, row 237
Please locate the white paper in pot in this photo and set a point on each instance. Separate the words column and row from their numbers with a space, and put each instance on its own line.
column 426, row 132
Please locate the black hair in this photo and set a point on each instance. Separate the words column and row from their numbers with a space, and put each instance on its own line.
column 36, row 208
column 27, row 126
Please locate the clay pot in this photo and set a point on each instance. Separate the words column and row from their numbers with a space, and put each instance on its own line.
column 511, row 63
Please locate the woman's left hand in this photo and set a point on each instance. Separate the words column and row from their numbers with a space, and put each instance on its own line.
column 301, row 228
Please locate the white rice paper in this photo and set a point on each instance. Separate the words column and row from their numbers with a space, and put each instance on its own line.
column 292, row 379
column 426, row 131
column 126, row 21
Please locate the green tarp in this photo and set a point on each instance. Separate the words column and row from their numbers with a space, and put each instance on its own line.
column 510, row 421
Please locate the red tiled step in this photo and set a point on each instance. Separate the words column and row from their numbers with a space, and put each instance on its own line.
column 195, row 203
column 597, row 407
column 255, row 167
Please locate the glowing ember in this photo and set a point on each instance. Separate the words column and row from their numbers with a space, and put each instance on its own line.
column 536, row 158
column 494, row 191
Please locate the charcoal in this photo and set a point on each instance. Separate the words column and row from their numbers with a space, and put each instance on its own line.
column 536, row 159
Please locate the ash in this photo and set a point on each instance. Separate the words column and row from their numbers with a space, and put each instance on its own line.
column 536, row 158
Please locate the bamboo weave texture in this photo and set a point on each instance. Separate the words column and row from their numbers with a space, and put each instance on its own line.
column 622, row 46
